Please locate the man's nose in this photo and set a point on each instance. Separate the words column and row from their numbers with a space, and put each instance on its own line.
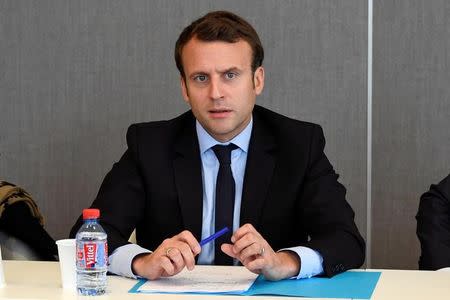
column 215, row 89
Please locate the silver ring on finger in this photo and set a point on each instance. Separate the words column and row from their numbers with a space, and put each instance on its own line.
column 168, row 251
column 262, row 250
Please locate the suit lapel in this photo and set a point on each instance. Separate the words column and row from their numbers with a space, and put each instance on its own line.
column 188, row 180
column 258, row 172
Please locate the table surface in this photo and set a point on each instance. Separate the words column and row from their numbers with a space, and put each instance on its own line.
column 41, row 280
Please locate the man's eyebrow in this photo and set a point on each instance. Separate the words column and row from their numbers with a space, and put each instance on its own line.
column 196, row 73
column 232, row 69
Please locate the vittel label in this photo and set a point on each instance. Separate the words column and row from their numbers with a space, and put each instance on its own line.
column 92, row 255
column 90, row 249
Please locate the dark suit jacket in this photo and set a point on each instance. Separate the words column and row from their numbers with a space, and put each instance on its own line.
column 433, row 226
column 290, row 193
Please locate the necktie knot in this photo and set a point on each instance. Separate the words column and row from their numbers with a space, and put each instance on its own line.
column 223, row 153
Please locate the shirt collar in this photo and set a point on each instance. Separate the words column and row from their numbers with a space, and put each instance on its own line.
column 206, row 141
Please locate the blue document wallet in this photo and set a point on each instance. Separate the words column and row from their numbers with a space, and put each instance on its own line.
column 350, row 284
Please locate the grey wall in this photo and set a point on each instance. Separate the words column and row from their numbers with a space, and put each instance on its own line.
column 75, row 74
column 411, row 120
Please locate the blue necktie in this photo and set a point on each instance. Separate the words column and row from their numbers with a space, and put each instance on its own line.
column 225, row 192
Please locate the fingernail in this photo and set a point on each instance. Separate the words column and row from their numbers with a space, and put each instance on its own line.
column 233, row 239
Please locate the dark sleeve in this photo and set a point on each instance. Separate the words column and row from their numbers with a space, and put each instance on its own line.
column 433, row 226
column 327, row 215
column 121, row 198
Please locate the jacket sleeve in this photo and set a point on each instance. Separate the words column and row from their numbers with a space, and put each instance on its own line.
column 328, row 216
column 433, row 226
column 121, row 198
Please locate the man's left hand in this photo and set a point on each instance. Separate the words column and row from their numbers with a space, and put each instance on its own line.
column 253, row 251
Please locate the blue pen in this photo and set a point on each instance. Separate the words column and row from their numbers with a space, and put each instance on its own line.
column 214, row 236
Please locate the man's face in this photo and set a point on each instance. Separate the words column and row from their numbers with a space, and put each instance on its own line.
column 220, row 86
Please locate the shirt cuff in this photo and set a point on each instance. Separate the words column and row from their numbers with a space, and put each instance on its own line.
column 311, row 261
column 120, row 260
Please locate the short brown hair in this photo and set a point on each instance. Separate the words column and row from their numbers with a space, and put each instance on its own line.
column 220, row 26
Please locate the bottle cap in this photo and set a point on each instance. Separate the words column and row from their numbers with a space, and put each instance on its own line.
column 91, row 213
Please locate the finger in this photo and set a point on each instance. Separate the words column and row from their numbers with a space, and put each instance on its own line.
column 167, row 266
column 252, row 250
column 255, row 265
column 244, row 241
column 186, row 256
column 176, row 258
column 228, row 250
column 241, row 231
column 187, row 237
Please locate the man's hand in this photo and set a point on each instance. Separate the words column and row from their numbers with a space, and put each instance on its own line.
column 253, row 251
column 169, row 258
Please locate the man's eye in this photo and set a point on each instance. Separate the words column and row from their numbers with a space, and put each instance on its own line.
column 230, row 75
column 200, row 78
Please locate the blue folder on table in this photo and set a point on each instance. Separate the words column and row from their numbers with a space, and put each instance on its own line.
column 350, row 284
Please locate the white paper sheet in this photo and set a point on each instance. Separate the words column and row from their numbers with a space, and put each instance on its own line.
column 203, row 279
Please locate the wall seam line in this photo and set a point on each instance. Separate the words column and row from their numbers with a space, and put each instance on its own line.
column 369, row 134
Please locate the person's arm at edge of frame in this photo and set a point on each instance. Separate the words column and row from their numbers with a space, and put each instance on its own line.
column 433, row 226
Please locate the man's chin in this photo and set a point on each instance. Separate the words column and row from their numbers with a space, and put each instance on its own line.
column 222, row 134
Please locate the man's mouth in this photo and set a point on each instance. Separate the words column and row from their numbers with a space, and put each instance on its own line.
column 220, row 113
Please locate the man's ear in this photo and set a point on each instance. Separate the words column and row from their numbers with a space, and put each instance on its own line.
column 258, row 80
column 184, row 90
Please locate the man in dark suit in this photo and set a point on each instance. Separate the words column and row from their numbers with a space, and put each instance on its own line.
column 286, row 209
column 433, row 226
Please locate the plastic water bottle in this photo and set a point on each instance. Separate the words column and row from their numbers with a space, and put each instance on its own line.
column 92, row 255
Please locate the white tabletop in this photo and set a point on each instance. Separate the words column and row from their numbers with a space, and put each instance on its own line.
column 41, row 280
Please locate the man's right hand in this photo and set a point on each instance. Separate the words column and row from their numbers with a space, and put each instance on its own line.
column 169, row 258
